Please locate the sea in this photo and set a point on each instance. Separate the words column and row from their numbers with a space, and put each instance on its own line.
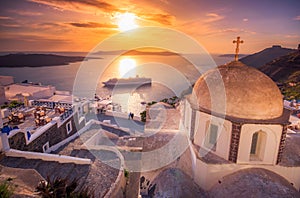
column 171, row 75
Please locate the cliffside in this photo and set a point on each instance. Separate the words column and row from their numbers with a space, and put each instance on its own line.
column 269, row 54
column 284, row 68
column 286, row 72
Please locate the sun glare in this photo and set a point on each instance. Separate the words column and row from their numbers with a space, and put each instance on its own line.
column 127, row 67
column 126, row 21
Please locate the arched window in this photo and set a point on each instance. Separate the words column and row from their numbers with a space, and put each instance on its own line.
column 258, row 143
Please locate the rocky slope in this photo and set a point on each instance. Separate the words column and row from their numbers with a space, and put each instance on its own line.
column 269, row 54
column 286, row 72
column 284, row 68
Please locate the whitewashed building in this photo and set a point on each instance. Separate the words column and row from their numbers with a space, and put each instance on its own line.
column 236, row 114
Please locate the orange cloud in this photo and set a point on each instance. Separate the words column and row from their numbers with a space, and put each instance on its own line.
column 79, row 5
column 165, row 19
column 90, row 6
column 92, row 25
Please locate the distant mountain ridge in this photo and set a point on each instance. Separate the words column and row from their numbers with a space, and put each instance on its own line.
column 265, row 56
column 232, row 55
column 37, row 60
column 134, row 53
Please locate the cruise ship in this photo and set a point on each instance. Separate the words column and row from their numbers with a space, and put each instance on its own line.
column 132, row 81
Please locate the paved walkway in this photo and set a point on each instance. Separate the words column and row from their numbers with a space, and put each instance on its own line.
column 133, row 125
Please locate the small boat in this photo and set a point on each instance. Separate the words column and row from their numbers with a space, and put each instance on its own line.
column 132, row 81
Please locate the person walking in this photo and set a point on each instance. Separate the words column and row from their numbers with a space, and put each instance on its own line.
column 129, row 115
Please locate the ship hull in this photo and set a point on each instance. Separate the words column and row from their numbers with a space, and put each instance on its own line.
column 127, row 82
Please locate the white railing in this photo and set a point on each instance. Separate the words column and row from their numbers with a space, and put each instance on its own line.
column 47, row 157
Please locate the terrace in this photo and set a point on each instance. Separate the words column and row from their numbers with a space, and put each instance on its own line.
column 40, row 114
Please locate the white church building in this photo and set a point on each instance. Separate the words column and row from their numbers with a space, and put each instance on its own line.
column 235, row 120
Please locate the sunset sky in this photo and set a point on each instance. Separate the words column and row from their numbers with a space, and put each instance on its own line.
column 79, row 25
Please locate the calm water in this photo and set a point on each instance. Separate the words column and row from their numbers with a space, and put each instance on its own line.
column 170, row 75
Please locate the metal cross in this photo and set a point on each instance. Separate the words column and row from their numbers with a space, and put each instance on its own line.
column 238, row 42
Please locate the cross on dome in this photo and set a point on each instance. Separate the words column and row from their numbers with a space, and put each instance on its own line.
column 238, row 42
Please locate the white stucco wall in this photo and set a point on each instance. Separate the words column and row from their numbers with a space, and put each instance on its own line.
column 47, row 157
column 224, row 133
column 187, row 116
column 207, row 175
column 271, row 146
column 35, row 91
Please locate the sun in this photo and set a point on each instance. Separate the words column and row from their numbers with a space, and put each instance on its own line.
column 126, row 21
column 127, row 67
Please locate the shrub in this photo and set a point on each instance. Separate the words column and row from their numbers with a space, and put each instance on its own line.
column 143, row 116
column 6, row 190
column 151, row 103
column 14, row 104
column 126, row 173
column 61, row 187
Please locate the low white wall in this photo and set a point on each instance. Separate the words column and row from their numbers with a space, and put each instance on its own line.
column 40, row 131
column 14, row 132
column 117, row 186
column 47, row 157
column 36, row 134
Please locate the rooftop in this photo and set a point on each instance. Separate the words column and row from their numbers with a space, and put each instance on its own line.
column 61, row 98
column 239, row 91
column 175, row 183
column 100, row 174
column 253, row 182
column 34, row 91
column 24, row 87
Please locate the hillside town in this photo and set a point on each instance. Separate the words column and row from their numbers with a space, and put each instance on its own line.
column 52, row 134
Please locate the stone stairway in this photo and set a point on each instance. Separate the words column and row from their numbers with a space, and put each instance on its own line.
column 105, row 164
column 97, row 177
column 101, row 175
column 76, row 143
